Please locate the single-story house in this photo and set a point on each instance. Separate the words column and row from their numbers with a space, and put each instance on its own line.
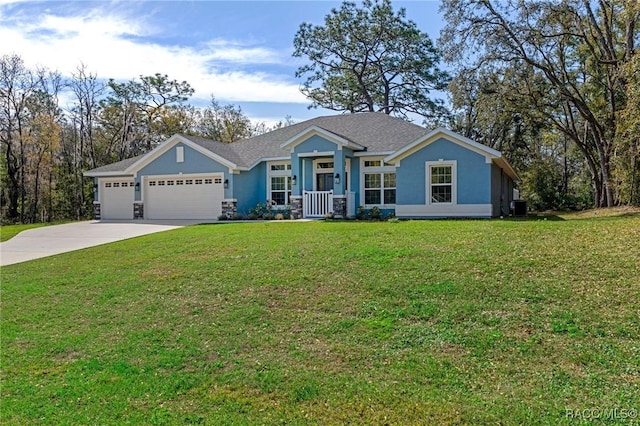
column 326, row 165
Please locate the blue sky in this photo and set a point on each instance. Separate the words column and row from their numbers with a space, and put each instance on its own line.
column 239, row 51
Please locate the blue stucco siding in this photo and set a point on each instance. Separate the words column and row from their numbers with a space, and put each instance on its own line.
column 250, row 188
column 315, row 143
column 473, row 174
column 194, row 162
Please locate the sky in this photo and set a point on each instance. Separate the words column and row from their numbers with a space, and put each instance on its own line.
column 238, row 51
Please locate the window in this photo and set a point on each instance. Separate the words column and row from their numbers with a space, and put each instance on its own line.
column 279, row 183
column 198, row 181
column 208, row 181
column 218, row 180
column 441, row 177
column 379, row 182
column 179, row 182
column 169, row 182
column 152, row 183
column 379, row 188
column 160, row 183
column 188, row 182
column 107, row 185
column 325, row 165
column 280, row 190
column 116, row 184
column 179, row 154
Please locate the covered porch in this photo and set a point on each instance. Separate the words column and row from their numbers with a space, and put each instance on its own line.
column 323, row 166
column 321, row 185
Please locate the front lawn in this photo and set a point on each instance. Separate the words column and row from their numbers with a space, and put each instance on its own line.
column 420, row 322
column 9, row 231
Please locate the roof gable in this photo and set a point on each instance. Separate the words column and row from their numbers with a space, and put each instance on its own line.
column 309, row 132
column 170, row 143
column 490, row 154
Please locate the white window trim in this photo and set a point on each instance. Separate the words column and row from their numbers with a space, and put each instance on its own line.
column 454, row 181
column 179, row 154
column 379, row 170
column 276, row 173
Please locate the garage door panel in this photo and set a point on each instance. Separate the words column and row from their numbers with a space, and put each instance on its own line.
column 117, row 199
column 184, row 197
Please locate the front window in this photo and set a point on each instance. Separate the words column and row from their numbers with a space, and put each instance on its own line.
column 279, row 179
column 441, row 183
column 280, row 190
column 379, row 188
column 379, row 182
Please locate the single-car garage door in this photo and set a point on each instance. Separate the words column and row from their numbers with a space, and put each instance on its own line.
column 116, row 199
column 183, row 197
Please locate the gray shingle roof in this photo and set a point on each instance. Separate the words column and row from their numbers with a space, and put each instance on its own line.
column 224, row 150
column 119, row 166
column 377, row 132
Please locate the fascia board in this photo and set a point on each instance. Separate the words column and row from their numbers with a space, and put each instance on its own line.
column 106, row 174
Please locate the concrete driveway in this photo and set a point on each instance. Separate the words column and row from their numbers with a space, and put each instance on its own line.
column 50, row 240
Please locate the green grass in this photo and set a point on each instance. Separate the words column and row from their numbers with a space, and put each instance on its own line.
column 425, row 322
column 9, row 231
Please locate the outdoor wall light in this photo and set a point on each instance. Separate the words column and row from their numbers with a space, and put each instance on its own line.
column 137, row 186
column 95, row 187
column 226, row 183
column 294, row 180
column 337, row 178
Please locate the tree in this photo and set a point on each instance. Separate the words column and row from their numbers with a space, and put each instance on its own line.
column 224, row 123
column 132, row 113
column 627, row 147
column 575, row 49
column 370, row 59
column 17, row 85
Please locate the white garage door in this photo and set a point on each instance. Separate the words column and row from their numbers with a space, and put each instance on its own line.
column 183, row 197
column 116, row 199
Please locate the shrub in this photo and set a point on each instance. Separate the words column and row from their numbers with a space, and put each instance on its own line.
column 375, row 213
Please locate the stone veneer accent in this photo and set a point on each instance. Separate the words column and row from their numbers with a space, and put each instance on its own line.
column 340, row 206
column 96, row 210
column 138, row 210
column 229, row 208
column 296, row 206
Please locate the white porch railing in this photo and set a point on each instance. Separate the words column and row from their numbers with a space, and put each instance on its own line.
column 317, row 203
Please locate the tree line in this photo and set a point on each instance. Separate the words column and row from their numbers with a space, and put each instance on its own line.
column 554, row 85
column 46, row 146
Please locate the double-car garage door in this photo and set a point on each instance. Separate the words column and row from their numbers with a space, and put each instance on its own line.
column 183, row 197
column 165, row 197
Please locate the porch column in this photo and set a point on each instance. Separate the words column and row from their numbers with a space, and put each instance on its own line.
column 296, row 176
column 338, row 170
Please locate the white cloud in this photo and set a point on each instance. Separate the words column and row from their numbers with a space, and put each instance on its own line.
column 235, row 52
column 121, row 47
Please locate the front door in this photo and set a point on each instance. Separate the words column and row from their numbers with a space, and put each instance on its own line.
column 324, row 181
